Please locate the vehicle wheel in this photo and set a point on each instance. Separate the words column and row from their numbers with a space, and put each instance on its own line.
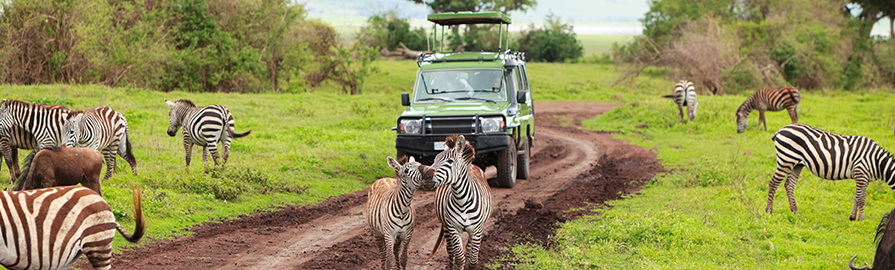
column 506, row 166
column 522, row 160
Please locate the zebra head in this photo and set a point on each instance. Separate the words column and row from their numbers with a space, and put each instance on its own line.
column 72, row 128
column 452, row 163
column 176, row 114
column 410, row 171
column 742, row 121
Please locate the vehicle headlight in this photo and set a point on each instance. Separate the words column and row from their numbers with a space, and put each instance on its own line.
column 492, row 124
column 411, row 126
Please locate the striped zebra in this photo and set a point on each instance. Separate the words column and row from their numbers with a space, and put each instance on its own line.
column 203, row 126
column 50, row 228
column 684, row 95
column 390, row 213
column 30, row 126
column 770, row 99
column 104, row 130
column 829, row 156
column 462, row 201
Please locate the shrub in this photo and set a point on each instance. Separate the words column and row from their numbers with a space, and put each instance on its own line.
column 556, row 42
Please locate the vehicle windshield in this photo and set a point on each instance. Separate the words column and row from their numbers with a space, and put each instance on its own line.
column 460, row 85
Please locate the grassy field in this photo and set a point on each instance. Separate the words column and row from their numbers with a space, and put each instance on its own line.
column 707, row 211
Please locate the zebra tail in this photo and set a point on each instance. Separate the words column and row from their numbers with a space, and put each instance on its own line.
column 437, row 242
column 138, row 218
column 668, row 96
column 127, row 153
column 238, row 135
column 26, row 168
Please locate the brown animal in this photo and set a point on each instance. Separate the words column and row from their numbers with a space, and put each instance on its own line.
column 55, row 166
column 885, row 241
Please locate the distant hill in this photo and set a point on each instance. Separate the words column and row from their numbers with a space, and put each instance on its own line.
column 588, row 16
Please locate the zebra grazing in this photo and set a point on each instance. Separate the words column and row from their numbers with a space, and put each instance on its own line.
column 770, row 99
column 50, row 228
column 31, row 126
column 462, row 201
column 203, row 126
column 829, row 156
column 104, row 130
column 390, row 213
column 684, row 95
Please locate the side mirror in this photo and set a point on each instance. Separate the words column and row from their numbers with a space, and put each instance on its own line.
column 405, row 99
column 520, row 97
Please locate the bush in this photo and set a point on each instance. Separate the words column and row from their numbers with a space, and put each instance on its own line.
column 556, row 42
column 388, row 31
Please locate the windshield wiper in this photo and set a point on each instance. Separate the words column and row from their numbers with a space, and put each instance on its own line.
column 435, row 98
column 475, row 98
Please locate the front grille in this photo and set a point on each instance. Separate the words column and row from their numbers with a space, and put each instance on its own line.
column 451, row 125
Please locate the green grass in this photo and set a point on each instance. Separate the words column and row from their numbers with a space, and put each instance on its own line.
column 707, row 211
column 598, row 44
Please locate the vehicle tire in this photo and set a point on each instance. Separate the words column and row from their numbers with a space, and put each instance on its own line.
column 522, row 160
column 506, row 166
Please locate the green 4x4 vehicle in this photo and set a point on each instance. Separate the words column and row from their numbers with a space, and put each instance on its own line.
column 482, row 95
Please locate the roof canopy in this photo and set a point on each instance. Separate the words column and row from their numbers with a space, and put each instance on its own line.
column 468, row 18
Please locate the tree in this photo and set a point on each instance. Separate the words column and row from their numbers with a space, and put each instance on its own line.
column 441, row 6
column 872, row 11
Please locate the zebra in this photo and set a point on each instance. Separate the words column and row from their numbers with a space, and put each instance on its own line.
column 26, row 125
column 462, row 201
column 50, row 228
column 829, row 156
column 770, row 99
column 104, row 130
column 390, row 213
column 203, row 126
column 684, row 95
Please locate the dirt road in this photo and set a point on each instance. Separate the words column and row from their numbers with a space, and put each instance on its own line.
column 570, row 169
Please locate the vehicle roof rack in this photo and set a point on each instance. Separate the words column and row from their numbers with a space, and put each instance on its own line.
column 433, row 57
column 467, row 17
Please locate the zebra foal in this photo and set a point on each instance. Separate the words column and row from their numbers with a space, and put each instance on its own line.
column 206, row 126
column 390, row 212
column 770, row 99
column 462, row 202
column 102, row 129
column 684, row 95
column 31, row 126
column 50, row 228
column 829, row 156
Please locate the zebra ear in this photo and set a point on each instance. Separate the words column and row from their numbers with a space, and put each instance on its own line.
column 393, row 163
column 170, row 104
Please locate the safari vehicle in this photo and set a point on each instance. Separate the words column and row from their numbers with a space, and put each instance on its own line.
column 482, row 95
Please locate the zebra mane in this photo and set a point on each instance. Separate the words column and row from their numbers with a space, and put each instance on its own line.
column 746, row 107
column 187, row 102
column 467, row 151
column 881, row 228
column 450, row 141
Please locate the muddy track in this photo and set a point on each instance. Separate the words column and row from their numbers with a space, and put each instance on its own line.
column 570, row 169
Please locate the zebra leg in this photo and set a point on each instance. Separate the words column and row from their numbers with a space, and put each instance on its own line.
column 188, row 146
column 389, row 252
column 216, row 155
column 793, row 114
column 109, row 157
column 790, row 186
column 456, row 255
column 100, row 257
column 680, row 115
column 401, row 251
column 380, row 242
column 778, row 177
column 205, row 157
column 860, row 193
column 15, row 161
column 472, row 249
column 7, row 155
column 761, row 120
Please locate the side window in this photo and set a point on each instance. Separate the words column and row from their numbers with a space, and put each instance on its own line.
column 524, row 78
column 518, row 77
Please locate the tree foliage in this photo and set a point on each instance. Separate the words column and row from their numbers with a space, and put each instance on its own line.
column 189, row 45
column 556, row 42
column 745, row 45
column 388, row 30
column 442, row 6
